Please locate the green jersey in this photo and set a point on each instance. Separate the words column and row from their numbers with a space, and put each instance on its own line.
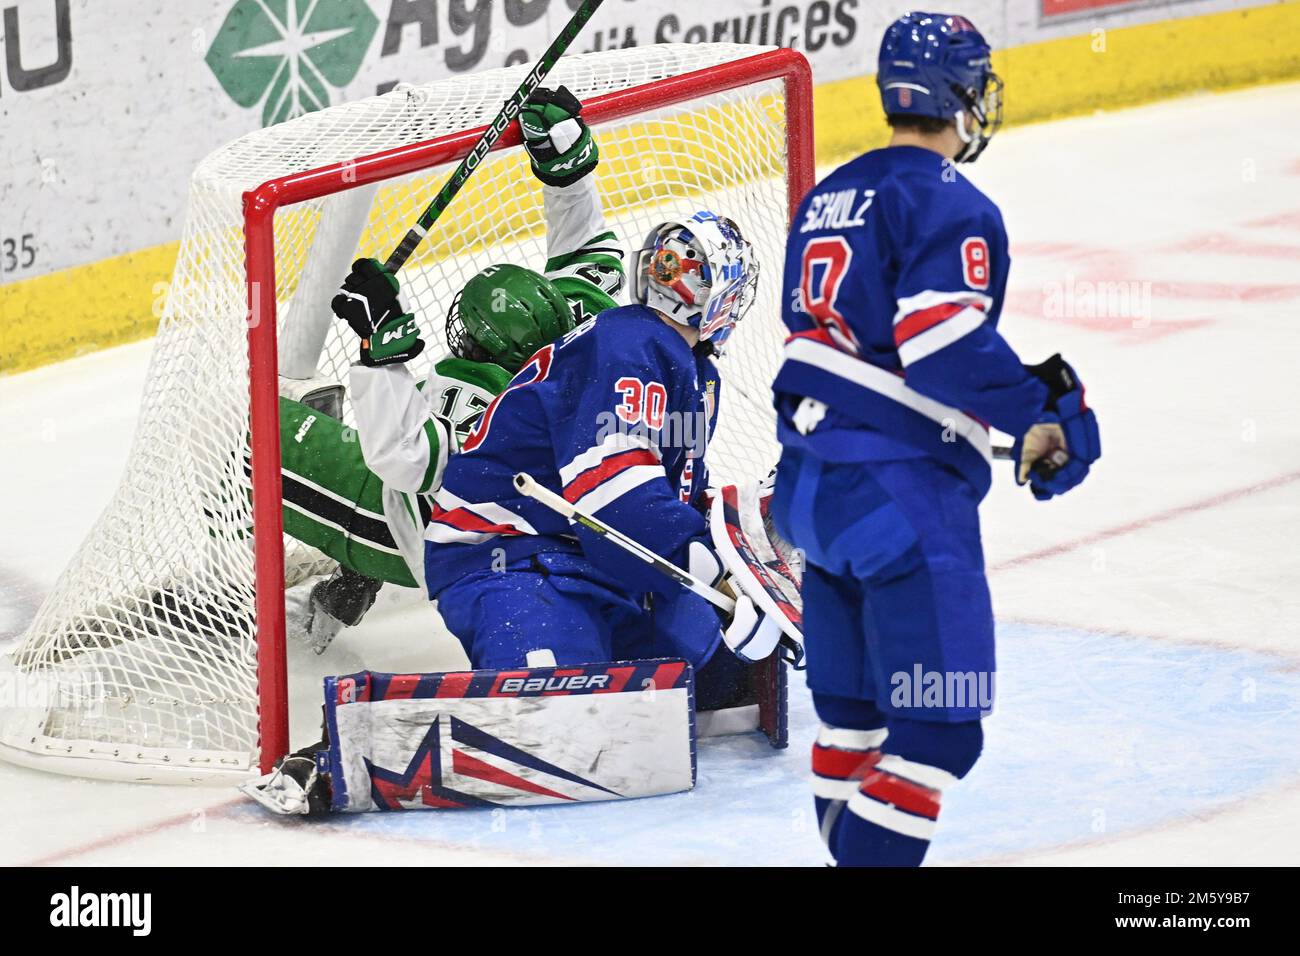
column 407, row 428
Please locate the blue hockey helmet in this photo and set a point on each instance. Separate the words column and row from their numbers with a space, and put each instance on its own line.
column 937, row 64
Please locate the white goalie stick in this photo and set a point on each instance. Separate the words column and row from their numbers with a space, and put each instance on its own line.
column 527, row 485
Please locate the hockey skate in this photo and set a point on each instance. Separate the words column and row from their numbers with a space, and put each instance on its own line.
column 340, row 601
column 296, row 787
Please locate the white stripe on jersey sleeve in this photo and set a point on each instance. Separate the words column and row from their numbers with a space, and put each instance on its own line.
column 613, row 444
column 892, row 386
column 930, row 298
column 487, row 510
column 940, row 336
column 623, row 482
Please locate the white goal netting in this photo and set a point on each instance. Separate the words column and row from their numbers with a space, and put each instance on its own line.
column 142, row 662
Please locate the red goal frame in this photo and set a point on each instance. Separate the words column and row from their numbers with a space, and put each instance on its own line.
column 260, row 206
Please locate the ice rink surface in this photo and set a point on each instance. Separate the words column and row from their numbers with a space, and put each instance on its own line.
column 1149, row 623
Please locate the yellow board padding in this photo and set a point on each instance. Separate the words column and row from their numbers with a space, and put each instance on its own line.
column 83, row 309
column 1103, row 69
column 120, row 300
column 117, row 300
column 502, row 203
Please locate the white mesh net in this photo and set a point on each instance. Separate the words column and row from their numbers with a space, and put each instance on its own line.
column 141, row 664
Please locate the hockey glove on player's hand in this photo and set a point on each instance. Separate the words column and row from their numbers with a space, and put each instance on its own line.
column 369, row 304
column 749, row 633
column 396, row 340
column 1057, row 451
column 368, row 293
column 558, row 141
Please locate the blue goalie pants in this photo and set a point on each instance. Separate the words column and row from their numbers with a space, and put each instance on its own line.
column 558, row 602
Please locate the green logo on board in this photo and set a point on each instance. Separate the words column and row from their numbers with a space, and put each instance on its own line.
column 286, row 54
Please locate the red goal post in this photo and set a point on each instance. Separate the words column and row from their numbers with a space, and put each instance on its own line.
column 159, row 654
column 260, row 206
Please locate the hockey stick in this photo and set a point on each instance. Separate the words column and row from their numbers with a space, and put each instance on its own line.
column 415, row 235
column 1045, row 467
column 526, row 485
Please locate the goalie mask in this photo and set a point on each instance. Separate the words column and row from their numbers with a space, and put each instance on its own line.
column 700, row 273
column 505, row 314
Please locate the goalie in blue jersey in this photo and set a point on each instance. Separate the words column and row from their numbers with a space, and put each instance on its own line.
column 616, row 417
column 622, row 409
column 613, row 408
column 894, row 279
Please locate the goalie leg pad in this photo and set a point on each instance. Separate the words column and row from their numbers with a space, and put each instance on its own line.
column 529, row 736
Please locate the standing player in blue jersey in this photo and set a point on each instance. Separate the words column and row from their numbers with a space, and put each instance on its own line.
column 894, row 280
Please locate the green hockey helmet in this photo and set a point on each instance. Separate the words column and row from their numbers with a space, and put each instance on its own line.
column 505, row 314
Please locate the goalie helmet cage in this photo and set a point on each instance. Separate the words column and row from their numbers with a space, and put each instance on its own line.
column 160, row 654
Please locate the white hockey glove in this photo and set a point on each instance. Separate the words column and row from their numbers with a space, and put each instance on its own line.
column 749, row 633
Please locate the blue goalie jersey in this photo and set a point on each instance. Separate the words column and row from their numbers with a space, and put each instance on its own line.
column 616, row 417
column 894, row 278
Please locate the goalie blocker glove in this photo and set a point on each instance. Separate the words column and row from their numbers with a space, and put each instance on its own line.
column 1059, row 449
column 749, row 633
column 369, row 303
column 559, row 143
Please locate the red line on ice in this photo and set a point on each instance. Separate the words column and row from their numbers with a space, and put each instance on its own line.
column 325, row 828
column 1218, row 243
column 126, row 836
column 1214, row 501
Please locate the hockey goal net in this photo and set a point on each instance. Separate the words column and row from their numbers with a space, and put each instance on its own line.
column 159, row 655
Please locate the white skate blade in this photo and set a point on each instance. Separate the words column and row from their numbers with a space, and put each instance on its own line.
column 280, row 794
